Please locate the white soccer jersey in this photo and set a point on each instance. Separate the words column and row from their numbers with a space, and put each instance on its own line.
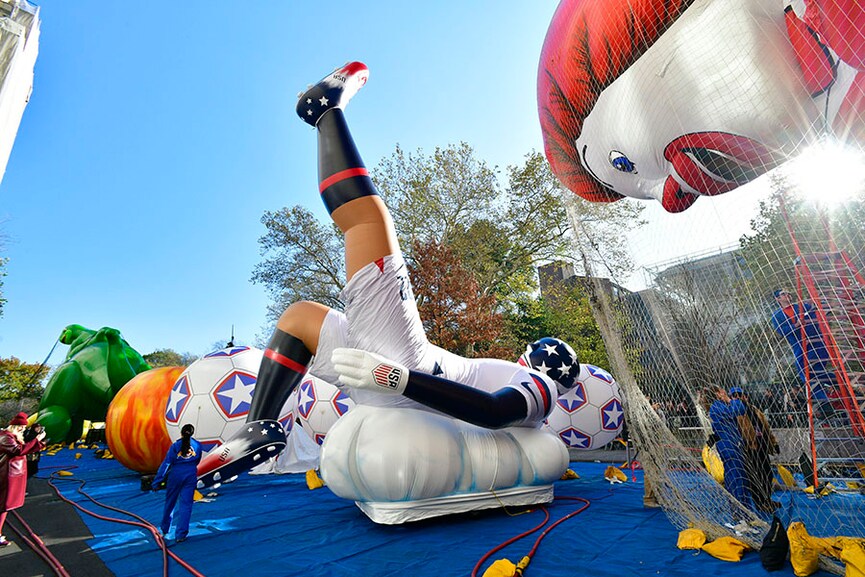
column 382, row 317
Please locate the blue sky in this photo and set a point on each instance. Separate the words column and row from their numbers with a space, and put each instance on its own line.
column 158, row 134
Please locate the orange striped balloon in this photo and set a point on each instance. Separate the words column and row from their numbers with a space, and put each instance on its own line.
column 135, row 424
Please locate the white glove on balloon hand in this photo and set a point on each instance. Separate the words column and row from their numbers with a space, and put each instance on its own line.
column 364, row 370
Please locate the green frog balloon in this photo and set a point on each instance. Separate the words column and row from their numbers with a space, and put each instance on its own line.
column 97, row 366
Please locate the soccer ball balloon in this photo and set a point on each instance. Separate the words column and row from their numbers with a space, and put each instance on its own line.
column 319, row 405
column 214, row 394
column 590, row 415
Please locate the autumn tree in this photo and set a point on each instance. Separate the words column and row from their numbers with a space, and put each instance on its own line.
column 452, row 205
column 457, row 314
column 501, row 233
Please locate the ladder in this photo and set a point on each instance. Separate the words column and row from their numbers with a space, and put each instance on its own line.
column 832, row 283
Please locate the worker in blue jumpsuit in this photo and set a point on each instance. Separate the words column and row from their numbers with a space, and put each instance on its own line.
column 180, row 465
column 724, row 413
column 788, row 321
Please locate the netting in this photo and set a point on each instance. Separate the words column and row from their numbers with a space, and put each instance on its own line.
column 742, row 325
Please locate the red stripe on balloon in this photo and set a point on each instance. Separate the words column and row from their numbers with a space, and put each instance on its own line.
column 284, row 361
column 545, row 394
column 340, row 176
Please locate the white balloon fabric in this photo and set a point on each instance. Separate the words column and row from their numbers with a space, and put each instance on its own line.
column 673, row 100
column 401, row 465
column 590, row 415
column 214, row 395
column 317, row 405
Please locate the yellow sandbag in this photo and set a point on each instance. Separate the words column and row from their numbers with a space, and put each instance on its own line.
column 313, row 481
column 786, row 476
column 726, row 549
column 713, row 463
column 505, row 568
column 568, row 475
column 691, row 539
column 804, row 551
column 853, row 556
column 614, row 475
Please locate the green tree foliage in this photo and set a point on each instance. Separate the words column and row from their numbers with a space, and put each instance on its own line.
column 769, row 250
column 303, row 260
column 20, row 380
column 500, row 233
column 564, row 312
column 600, row 231
column 787, row 220
column 169, row 358
column 454, row 206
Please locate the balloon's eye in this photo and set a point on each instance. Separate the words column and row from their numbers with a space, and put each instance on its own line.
column 621, row 162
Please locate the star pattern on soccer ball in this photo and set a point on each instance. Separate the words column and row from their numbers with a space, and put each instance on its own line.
column 574, row 438
column 238, row 393
column 175, row 401
column 612, row 415
column 306, row 399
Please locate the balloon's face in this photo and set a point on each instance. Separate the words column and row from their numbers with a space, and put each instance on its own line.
column 715, row 99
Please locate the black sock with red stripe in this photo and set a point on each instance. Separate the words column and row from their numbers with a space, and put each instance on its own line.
column 341, row 173
column 282, row 367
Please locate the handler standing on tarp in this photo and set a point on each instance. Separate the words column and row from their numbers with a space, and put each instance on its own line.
column 180, row 465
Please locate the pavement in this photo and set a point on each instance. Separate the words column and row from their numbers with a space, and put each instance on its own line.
column 62, row 531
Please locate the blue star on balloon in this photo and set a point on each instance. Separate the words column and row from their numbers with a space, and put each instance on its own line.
column 306, row 399
column 575, row 398
column 234, row 394
column 339, row 403
column 229, row 352
column 612, row 415
column 177, row 400
column 600, row 373
column 574, row 438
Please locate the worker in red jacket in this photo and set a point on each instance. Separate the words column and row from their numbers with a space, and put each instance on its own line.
column 13, row 466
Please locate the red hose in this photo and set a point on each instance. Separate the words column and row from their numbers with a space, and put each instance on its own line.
column 38, row 547
column 530, row 531
column 142, row 524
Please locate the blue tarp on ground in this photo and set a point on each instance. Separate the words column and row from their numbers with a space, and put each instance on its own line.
column 273, row 525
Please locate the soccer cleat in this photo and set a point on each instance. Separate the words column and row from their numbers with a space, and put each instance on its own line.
column 256, row 441
column 332, row 91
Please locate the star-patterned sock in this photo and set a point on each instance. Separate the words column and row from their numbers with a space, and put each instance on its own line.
column 282, row 367
column 341, row 172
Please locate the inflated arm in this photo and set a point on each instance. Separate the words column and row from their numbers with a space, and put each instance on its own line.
column 365, row 370
column 503, row 408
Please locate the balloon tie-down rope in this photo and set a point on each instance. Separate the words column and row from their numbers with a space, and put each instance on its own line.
column 141, row 522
